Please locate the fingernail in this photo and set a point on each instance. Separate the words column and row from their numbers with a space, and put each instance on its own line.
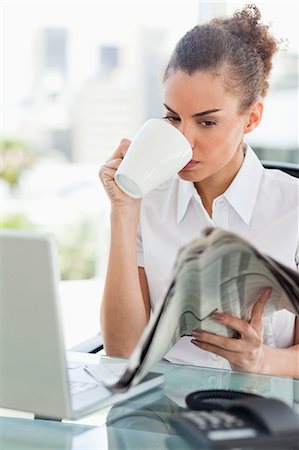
column 196, row 332
column 218, row 316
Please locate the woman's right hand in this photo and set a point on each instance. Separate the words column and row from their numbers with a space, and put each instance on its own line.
column 107, row 171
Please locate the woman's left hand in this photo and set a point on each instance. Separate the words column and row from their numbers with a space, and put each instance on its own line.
column 246, row 353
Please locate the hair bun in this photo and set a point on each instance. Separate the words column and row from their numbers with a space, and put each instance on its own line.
column 240, row 48
column 244, row 24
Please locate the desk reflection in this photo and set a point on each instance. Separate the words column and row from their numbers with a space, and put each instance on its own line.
column 144, row 425
column 33, row 434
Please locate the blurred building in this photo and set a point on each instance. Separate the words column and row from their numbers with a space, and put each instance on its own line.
column 103, row 112
column 45, row 122
column 152, row 58
column 50, row 61
column 276, row 138
column 108, row 60
column 125, row 92
column 85, row 123
column 285, row 71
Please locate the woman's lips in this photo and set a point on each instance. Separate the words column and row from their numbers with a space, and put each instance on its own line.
column 191, row 164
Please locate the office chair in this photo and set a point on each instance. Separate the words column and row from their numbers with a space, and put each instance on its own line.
column 92, row 345
column 95, row 344
column 290, row 168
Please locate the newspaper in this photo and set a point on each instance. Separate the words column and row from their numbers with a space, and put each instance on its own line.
column 220, row 272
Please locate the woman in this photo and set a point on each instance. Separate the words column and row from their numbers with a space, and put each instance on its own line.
column 214, row 85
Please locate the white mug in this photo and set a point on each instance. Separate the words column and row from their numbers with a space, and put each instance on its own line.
column 157, row 153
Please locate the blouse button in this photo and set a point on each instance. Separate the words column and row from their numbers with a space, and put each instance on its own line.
column 220, row 202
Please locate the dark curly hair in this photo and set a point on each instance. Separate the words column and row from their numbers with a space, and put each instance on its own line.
column 239, row 48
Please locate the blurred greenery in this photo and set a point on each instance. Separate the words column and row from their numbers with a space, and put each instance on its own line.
column 15, row 157
column 77, row 251
column 76, row 245
column 17, row 221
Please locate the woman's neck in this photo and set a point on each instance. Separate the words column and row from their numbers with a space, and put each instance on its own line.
column 215, row 185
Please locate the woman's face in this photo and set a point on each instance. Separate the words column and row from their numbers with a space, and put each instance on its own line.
column 209, row 117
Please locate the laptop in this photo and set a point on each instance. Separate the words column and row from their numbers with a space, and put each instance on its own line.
column 35, row 373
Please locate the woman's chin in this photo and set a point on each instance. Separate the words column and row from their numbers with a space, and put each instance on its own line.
column 189, row 175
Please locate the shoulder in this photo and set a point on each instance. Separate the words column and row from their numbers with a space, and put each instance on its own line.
column 269, row 172
column 281, row 189
column 281, row 181
column 280, row 176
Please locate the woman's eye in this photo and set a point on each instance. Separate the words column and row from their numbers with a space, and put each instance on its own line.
column 172, row 118
column 207, row 123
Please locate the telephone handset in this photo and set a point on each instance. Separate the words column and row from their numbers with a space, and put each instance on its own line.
column 220, row 419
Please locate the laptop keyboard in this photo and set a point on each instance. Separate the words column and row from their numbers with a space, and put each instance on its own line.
column 77, row 387
column 83, row 377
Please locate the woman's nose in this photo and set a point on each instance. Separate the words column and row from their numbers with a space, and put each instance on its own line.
column 189, row 135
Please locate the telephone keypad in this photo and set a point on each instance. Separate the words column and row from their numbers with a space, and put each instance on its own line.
column 207, row 420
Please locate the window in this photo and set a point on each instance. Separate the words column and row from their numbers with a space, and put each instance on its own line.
column 79, row 76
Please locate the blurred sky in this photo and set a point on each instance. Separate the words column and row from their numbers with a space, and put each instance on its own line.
column 109, row 22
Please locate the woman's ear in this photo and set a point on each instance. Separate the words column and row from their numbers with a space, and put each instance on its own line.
column 254, row 116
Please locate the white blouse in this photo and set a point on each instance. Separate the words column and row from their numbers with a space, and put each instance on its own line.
column 261, row 205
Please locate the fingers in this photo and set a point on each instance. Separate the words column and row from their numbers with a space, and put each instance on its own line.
column 121, row 149
column 227, row 354
column 108, row 169
column 113, row 163
column 244, row 328
column 247, row 360
column 256, row 320
column 222, row 342
column 242, row 354
column 119, row 199
column 239, row 325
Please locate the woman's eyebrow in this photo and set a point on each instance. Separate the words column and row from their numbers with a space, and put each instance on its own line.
column 169, row 109
column 202, row 113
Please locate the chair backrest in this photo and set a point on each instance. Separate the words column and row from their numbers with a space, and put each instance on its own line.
column 290, row 168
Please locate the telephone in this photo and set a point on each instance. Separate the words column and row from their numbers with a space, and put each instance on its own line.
column 222, row 419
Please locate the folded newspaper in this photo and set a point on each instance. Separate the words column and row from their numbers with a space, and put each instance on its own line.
column 220, row 272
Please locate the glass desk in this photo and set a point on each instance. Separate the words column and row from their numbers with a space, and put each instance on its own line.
column 142, row 422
